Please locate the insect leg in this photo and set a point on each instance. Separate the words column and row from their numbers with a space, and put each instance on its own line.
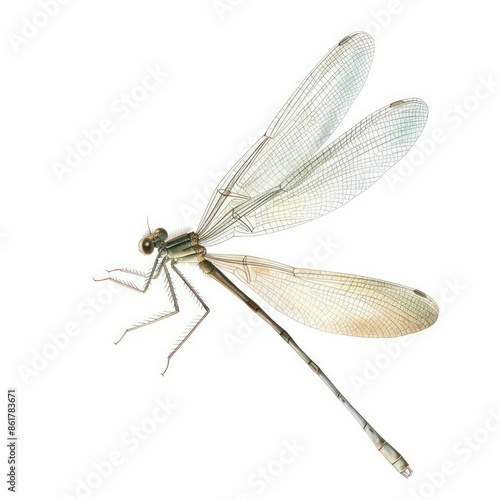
column 154, row 273
column 196, row 323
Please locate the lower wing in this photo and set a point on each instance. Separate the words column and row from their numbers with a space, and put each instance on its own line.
column 334, row 302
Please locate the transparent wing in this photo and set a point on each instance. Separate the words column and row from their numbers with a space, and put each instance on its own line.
column 334, row 302
column 302, row 126
column 333, row 176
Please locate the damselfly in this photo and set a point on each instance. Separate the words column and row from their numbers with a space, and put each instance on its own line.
column 288, row 177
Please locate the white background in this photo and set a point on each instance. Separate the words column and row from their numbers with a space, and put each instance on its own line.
column 231, row 65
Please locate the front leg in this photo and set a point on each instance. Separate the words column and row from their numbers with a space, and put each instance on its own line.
column 196, row 322
column 154, row 273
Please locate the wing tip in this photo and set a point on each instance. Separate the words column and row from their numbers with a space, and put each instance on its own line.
column 431, row 313
column 357, row 34
column 411, row 101
column 360, row 37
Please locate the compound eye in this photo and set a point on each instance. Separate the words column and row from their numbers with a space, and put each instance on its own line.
column 161, row 233
column 146, row 246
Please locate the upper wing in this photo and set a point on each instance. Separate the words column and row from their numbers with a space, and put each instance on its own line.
column 302, row 126
column 334, row 302
column 328, row 180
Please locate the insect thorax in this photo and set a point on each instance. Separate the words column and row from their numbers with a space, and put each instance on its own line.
column 185, row 248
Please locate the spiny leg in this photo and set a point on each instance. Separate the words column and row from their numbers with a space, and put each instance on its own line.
column 135, row 271
column 160, row 316
column 153, row 274
column 197, row 322
column 129, row 271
